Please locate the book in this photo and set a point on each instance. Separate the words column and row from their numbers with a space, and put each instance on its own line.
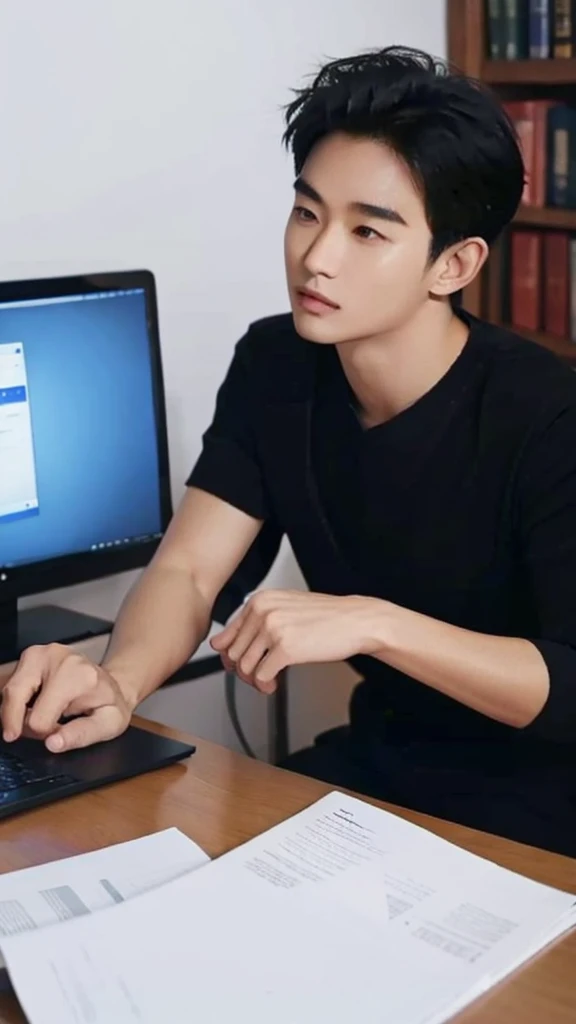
column 530, row 120
column 562, row 28
column 561, row 145
column 516, row 29
column 525, row 279
column 344, row 912
column 539, row 29
column 495, row 29
column 557, row 283
column 572, row 276
column 520, row 113
column 540, row 113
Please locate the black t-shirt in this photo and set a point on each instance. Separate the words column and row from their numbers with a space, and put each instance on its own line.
column 462, row 507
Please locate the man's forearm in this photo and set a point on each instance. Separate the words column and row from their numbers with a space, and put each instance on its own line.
column 505, row 678
column 161, row 623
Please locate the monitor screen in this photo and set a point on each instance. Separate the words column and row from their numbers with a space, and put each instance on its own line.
column 80, row 439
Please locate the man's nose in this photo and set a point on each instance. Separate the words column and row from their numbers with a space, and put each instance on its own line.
column 325, row 254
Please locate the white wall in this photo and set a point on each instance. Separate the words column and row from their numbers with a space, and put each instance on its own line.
column 145, row 133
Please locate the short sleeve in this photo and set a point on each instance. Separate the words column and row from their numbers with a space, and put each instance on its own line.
column 228, row 465
column 547, row 491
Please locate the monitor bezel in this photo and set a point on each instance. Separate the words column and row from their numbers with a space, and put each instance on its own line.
column 68, row 570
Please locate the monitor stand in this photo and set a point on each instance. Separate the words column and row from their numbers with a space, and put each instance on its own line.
column 46, row 624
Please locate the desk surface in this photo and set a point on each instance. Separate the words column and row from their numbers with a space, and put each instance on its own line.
column 220, row 799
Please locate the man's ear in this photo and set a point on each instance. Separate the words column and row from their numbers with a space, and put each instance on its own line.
column 457, row 267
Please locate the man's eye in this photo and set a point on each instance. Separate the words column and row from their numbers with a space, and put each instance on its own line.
column 368, row 233
column 304, row 214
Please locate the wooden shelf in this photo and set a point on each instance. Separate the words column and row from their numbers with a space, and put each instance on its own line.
column 547, row 217
column 530, row 72
column 555, row 80
column 560, row 346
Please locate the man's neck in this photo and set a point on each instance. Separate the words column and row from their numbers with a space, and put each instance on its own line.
column 391, row 372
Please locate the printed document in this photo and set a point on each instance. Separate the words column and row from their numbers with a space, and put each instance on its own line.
column 344, row 912
column 39, row 896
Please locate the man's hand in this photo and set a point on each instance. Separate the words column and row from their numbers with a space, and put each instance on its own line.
column 62, row 684
column 278, row 628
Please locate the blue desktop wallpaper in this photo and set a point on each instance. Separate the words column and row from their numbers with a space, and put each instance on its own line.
column 90, row 392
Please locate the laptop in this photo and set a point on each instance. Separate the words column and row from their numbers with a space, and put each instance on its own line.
column 30, row 775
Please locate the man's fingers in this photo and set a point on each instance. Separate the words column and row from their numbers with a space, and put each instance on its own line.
column 253, row 656
column 103, row 724
column 244, row 639
column 221, row 641
column 82, row 705
column 85, row 703
column 14, row 701
column 266, row 675
column 19, row 691
column 230, row 666
column 75, row 677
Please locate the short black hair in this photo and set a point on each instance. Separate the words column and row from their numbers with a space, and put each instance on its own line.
column 449, row 130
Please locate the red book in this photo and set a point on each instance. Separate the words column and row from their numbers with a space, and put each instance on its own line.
column 525, row 277
column 538, row 172
column 556, row 283
column 529, row 118
column 521, row 114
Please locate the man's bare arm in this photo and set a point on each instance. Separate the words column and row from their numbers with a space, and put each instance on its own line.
column 167, row 615
column 161, row 623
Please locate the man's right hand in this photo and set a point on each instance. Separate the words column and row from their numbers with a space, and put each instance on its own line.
column 62, row 683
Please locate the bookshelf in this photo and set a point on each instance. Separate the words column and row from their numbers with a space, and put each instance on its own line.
column 547, row 217
column 513, row 80
column 561, row 71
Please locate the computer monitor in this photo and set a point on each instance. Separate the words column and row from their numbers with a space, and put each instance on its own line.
column 84, row 473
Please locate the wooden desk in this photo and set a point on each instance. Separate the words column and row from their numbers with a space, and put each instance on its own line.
column 220, row 799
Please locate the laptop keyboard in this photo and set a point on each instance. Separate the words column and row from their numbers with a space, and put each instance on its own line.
column 17, row 774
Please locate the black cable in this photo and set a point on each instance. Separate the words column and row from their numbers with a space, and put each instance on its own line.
column 279, row 724
column 230, row 695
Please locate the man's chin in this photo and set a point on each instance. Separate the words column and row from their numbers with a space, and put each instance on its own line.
column 318, row 329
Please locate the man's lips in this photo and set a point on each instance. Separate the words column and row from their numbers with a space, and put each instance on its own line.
column 315, row 302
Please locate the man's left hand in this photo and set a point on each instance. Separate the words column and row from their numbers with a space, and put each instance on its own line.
column 278, row 628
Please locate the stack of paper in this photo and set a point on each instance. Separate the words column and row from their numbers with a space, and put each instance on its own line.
column 36, row 897
column 344, row 912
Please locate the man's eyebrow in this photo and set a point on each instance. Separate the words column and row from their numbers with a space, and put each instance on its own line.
column 302, row 186
column 380, row 212
column 368, row 209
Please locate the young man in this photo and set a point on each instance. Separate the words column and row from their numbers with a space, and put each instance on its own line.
column 422, row 463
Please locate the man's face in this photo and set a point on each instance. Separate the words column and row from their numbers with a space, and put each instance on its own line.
column 357, row 236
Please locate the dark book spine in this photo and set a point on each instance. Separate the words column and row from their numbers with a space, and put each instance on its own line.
column 495, row 29
column 557, row 277
column 516, row 29
column 539, row 31
column 562, row 28
column 573, row 289
column 526, row 275
column 561, row 183
column 505, row 248
column 571, row 199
